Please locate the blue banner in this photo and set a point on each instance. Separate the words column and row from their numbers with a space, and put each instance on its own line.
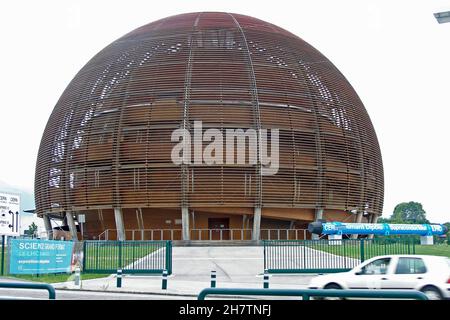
column 40, row 256
column 383, row 229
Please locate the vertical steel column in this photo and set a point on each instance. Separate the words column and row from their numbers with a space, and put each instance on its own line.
column 374, row 220
column 118, row 216
column 317, row 217
column 48, row 226
column 358, row 220
column 256, row 224
column 185, row 222
column 71, row 224
column 257, row 120
column 186, row 127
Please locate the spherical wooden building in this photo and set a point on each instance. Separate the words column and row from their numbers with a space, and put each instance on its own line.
column 106, row 150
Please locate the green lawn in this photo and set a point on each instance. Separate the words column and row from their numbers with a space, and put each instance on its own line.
column 106, row 257
column 435, row 250
column 372, row 250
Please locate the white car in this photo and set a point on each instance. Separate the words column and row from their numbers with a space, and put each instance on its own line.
column 429, row 274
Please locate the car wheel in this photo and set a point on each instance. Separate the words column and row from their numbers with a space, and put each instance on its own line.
column 334, row 286
column 432, row 293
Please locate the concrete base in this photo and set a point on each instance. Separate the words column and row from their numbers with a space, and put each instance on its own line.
column 426, row 240
column 336, row 239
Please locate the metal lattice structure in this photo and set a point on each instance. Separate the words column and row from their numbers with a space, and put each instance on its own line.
column 108, row 141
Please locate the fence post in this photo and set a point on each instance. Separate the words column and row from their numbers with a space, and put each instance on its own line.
column 134, row 260
column 164, row 280
column 119, row 265
column 213, row 278
column 304, row 252
column 169, row 257
column 266, row 280
column 84, row 255
column 361, row 241
column 344, row 244
column 119, row 278
column 265, row 256
column 3, row 254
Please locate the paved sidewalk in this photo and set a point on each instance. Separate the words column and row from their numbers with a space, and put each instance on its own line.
column 152, row 284
column 236, row 267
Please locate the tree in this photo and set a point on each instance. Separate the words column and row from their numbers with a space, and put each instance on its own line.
column 384, row 220
column 32, row 229
column 409, row 212
column 447, row 224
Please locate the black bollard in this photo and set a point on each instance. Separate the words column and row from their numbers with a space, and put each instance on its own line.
column 266, row 279
column 213, row 279
column 119, row 278
column 164, row 280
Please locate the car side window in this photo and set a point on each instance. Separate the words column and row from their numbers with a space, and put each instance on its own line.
column 410, row 266
column 379, row 266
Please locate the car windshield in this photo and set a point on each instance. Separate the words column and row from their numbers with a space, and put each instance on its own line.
column 378, row 266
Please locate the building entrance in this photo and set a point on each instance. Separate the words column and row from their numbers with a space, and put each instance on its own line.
column 219, row 228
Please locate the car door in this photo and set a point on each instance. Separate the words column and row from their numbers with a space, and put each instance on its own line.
column 406, row 274
column 369, row 275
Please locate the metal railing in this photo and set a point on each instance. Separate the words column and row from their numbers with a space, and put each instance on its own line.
column 130, row 256
column 221, row 234
column 206, row 234
column 312, row 256
column 284, row 234
column 20, row 285
column 306, row 294
column 143, row 234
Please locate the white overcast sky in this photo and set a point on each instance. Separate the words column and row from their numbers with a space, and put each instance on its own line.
column 394, row 53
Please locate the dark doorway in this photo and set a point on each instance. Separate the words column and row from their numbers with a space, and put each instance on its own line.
column 219, row 226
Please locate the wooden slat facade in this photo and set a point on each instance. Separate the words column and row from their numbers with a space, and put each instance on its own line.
column 108, row 141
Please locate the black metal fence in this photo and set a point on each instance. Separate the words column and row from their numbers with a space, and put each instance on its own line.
column 312, row 256
column 130, row 256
